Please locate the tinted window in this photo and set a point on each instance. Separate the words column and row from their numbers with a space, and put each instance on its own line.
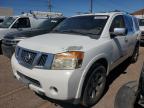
column 141, row 22
column 129, row 23
column 22, row 23
column 118, row 22
column 136, row 23
column 85, row 25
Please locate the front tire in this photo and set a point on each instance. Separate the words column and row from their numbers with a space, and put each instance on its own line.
column 94, row 86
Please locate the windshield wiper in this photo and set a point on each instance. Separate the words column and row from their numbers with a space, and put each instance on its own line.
column 78, row 32
column 91, row 35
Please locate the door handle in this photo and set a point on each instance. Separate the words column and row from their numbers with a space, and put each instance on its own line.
column 126, row 39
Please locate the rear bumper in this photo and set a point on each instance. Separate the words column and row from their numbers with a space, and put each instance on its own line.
column 8, row 50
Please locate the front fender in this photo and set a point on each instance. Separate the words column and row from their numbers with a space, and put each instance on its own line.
column 86, row 69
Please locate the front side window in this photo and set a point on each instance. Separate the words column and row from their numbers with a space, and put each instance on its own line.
column 85, row 25
column 141, row 22
column 22, row 23
column 7, row 22
column 118, row 22
column 136, row 23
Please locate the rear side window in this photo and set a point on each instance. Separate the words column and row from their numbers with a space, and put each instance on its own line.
column 118, row 22
column 22, row 23
column 136, row 23
column 129, row 23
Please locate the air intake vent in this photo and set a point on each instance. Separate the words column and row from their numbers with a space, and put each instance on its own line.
column 42, row 60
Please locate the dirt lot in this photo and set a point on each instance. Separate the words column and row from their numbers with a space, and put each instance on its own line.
column 14, row 94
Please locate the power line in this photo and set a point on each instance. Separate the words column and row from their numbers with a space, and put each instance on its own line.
column 91, row 6
column 49, row 6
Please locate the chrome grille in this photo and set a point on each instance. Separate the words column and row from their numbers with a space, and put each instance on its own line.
column 28, row 57
column 31, row 59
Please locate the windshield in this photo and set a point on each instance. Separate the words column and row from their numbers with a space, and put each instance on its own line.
column 84, row 25
column 141, row 22
column 50, row 23
column 7, row 22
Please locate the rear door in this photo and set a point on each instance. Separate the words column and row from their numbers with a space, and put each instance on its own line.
column 131, row 33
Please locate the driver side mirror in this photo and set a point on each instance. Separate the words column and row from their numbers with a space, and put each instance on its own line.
column 119, row 31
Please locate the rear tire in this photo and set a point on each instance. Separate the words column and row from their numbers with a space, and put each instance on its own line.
column 135, row 55
column 94, row 86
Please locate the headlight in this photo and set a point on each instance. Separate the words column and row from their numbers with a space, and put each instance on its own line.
column 68, row 60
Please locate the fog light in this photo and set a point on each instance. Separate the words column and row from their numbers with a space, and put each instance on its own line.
column 53, row 90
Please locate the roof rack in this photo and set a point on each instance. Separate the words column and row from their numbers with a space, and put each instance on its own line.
column 41, row 14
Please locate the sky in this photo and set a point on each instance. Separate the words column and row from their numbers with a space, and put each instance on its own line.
column 71, row 7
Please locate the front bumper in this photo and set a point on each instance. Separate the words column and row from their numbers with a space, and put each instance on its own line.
column 54, row 84
column 8, row 50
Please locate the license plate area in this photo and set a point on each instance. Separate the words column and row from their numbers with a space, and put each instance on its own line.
column 27, row 80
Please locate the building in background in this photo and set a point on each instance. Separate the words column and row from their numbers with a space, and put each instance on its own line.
column 4, row 11
column 139, row 13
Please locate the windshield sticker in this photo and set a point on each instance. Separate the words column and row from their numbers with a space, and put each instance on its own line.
column 100, row 17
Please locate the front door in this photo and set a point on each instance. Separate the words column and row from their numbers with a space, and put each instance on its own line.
column 120, row 43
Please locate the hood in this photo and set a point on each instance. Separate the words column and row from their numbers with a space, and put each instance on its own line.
column 57, row 43
column 25, row 33
column 4, row 31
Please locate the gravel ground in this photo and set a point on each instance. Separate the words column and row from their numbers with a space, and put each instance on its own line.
column 13, row 94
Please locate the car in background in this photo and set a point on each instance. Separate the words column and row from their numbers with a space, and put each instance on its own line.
column 10, row 40
column 19, row 23
column 131, row 94
column 141, row 24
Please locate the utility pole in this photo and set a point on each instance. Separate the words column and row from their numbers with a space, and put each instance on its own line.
column 91, row 6
column 49, row 5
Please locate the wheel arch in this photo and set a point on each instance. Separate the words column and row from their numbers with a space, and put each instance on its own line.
column 102, row 61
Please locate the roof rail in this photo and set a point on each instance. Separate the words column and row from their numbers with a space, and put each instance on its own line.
column 120, row 11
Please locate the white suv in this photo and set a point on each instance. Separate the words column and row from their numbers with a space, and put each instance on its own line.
column 73, row 61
